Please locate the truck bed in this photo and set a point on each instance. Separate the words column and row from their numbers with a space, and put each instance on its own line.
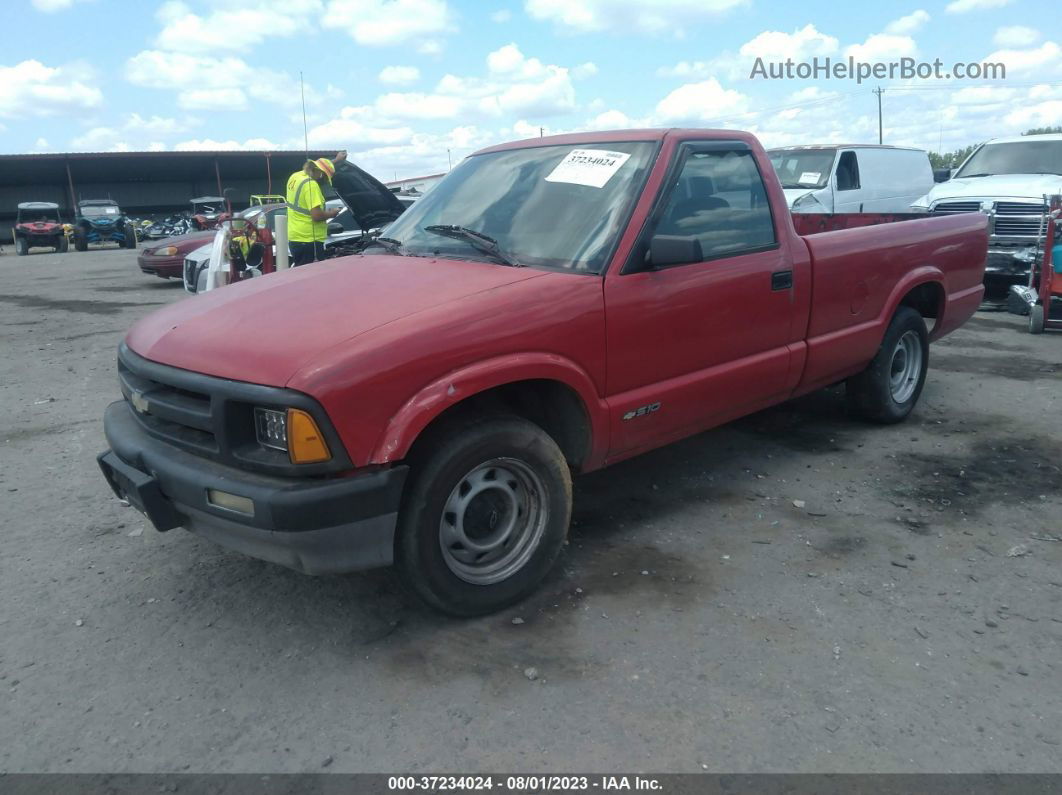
column 814, row 223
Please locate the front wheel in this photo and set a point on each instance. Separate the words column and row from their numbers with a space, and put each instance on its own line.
column 1037, row 319
column 63, row 245
column 80, row 240
column 484, row 515
column 888, row 389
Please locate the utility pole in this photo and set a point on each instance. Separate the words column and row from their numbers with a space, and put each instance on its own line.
column 879, row 91
column 540, row 132
column 449, row 163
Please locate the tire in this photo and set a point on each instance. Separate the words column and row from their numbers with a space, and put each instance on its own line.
column 63, row 245
column 80, row 241
column 130, row 237
column 1037, row 319
column 888, row 389
column 21, row 246
column 469, row 480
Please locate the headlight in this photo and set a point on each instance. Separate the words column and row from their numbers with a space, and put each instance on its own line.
column 292, row 431
column 272, row 428
column 165, row 251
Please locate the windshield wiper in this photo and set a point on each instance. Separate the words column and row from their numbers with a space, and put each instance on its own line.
column 478, row 240
column 964, row 176
column 389, row 243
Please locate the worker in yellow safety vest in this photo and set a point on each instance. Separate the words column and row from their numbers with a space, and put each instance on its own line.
column 307, row 216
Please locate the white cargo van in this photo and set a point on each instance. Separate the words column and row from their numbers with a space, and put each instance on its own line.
column 852, row 179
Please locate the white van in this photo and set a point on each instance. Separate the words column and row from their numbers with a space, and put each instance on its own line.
column 861, row 178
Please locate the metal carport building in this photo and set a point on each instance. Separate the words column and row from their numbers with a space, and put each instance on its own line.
column 143, row 183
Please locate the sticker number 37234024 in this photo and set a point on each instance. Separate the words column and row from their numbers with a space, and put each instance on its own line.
column 590, row 167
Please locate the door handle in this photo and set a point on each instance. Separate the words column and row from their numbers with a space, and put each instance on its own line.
column 782, row 280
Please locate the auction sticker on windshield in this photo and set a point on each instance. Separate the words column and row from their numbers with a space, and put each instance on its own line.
column 590, row 167
column 810, row 177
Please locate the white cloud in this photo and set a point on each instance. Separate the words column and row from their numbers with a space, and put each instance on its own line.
column 231, row 27
column 387, row 22
column 908, row 24
column 135, row 131
column 209, row 144
column 30, row 88
column 503, row 15
column 700, row 103
column 963, row 6
column 51, row 6
column 399, row 75
column 585, row 70
column 686, row 69
column 882, row 47
column 205, row 83
column 1048, row 55
column 41, row 145
column 419, row 106
column 649, row 16
column 800, row 45
column 357, row 124
column 1016, row 36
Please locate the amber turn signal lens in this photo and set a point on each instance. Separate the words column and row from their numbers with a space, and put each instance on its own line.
column 305, row 443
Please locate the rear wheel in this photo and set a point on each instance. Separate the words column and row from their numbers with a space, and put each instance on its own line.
column 21, row 246
column 130, row 236
column 888, row 389
column 80, row 241
column 484, row 515
column 1036, row 319
column 63, row 245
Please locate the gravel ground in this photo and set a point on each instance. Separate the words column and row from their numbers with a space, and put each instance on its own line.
column 793, row 592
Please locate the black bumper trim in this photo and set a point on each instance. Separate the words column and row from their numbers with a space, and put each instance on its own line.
column 170, row 486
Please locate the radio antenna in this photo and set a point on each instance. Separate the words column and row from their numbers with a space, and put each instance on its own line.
column 305, row 130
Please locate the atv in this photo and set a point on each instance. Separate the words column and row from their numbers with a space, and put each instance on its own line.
column 208, row 212
column 38, row 225
column 100, row 221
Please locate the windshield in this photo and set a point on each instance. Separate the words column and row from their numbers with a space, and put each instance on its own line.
column 802, row 168
column 99, row 210
column 547, row 206
column 1018, row 157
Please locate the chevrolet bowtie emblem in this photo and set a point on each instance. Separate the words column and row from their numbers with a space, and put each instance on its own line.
column 140, row 403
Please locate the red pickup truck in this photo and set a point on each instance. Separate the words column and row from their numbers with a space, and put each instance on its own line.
column 551, row 307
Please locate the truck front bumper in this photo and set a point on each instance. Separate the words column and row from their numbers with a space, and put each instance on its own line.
column 312, row 525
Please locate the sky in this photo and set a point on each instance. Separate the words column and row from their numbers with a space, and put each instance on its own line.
column 409, row 87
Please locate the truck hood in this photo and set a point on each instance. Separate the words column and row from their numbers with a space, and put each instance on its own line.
column 265, row 329
column 792, row 194
column 999, row 186
column 371, row 203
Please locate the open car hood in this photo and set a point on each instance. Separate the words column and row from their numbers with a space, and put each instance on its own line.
column 371, row 203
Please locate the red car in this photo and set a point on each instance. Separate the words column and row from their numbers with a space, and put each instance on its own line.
column 550, row 307
column 165, row 258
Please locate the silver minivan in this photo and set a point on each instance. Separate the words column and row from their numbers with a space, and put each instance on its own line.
column 860, row 178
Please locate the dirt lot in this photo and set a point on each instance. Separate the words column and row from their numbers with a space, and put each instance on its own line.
column 794, row 592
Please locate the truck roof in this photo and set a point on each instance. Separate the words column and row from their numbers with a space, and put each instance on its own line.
column 38, row 206
column 1015, row 139
column 97, row 203
column 842, row 146
column 619, row 136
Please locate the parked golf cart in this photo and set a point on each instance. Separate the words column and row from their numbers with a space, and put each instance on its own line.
column 260, row 199
column 38, row 225
column 102, row 221
column 208, row 212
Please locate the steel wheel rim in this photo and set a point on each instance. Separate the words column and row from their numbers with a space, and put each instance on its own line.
column 493, row 521
column 906, row 367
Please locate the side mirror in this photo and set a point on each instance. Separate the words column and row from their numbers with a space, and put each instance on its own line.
column 667, row 250
column 335, row 228
column 941, row 174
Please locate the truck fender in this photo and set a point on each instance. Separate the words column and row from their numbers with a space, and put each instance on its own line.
column 454, row 387
column 923, row 274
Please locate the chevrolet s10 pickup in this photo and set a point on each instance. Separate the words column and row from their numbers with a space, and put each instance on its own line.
column 552, row 306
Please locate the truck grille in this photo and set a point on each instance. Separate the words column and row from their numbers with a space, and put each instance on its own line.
column 1009, row 219
column 214, row 417
column 180, row 416
column 191, row 277
column 951, row 208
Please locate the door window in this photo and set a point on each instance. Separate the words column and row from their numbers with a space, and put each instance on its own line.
column 719, row 198
column 848, row 172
